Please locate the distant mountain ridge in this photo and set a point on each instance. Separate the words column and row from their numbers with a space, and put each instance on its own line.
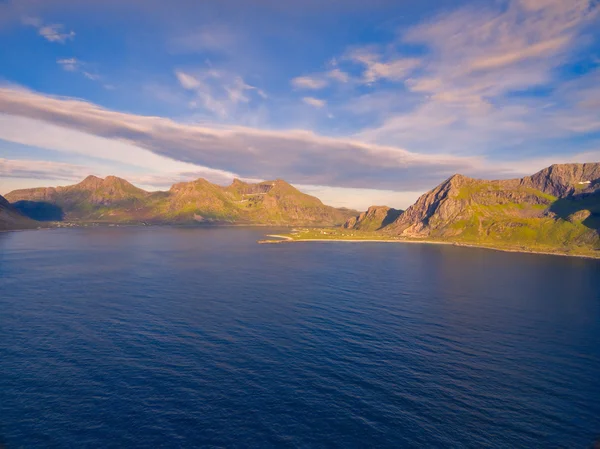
column 556, row 209
column 113, row 199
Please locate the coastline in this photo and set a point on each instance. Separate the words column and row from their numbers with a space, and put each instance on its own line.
column 279, row 238
column 287, row 239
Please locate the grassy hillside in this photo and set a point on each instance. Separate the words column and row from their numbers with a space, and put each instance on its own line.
column 115, row 200
column 556, row 210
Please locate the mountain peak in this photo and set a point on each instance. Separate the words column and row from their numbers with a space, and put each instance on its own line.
column 458, row 179
column 114, row 180
column 91, row 182
column 564, row 179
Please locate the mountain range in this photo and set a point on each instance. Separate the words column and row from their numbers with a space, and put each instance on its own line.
column 556, row 208
column 115, row 200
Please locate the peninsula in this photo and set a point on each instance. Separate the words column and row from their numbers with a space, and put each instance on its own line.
column 556, row 211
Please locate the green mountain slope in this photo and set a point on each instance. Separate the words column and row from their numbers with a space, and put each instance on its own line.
column 117, row 201
column 93, row 198
column 558, row 208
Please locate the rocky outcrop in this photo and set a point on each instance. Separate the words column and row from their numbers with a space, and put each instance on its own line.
column 375, row 218
column 440, row 205
column 462, row 204
column 561, row 180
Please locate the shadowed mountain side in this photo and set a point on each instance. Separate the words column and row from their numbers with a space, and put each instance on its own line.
column 375, row 218
column 115, row 200
column 583, row 208
column 10, row 218
column 39, row 210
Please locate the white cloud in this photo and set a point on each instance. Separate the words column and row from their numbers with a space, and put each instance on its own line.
column 338, row 75
column 27, row 131
column 54, row 32
column 69, row 64
column 217, row 91
column 314, row 102
column 301, row 157
column 476, row 59
column 309, row 82
column 75, row 65
column 93, row 77
column 376, row 67
column 361, row 199
column 15, row 168
column 187, row 81
column 379, row 67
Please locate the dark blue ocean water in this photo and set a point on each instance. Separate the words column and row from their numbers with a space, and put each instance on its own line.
column 148, row 337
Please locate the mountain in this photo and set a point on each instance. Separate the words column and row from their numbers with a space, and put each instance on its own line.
column 93, row 198
column 10, row 218
column 375, row 218
column 116, row 200
column 558, row 207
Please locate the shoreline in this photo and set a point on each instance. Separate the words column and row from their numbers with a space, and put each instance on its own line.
column 286, row 239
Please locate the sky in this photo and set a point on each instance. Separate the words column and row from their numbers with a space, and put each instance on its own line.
column 356, row 102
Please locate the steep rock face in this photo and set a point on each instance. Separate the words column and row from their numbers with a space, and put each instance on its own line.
column 10, row 218
column 559, row 205
column 116, row 200
column 461, row 198
column 376, row 217
column 436, row 206
column 561, row 180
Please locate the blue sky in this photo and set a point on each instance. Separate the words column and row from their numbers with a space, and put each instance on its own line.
column 357, row 102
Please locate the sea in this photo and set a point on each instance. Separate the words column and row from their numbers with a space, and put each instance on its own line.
column 200, row 337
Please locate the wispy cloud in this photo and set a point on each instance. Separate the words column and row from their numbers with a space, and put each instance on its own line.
column 309, row 82
column 338, row 75
column 35, row 169
column 314, row 102
column 54, row 32
column 209, row 38
column 477, row 62
column 75, row 65
column 69, row 64
column 217, row 91
column 377, row 67
column 299, row 156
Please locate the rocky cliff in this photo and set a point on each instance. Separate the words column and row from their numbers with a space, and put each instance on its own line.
column 562, row 180
column 559, row 205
